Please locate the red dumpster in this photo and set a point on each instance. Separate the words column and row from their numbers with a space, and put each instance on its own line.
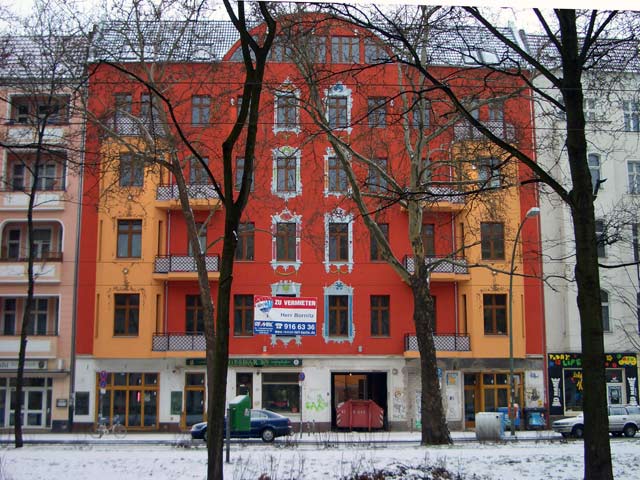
column 359, row 414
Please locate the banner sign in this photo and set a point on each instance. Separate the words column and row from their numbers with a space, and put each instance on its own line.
column 284, row 315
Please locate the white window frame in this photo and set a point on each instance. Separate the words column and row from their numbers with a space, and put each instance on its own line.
column 631, row 110
column 329, row 154
column 290, row 152
column 287, row 90
column 338, row 288
column 338, row 216
column 633, row 176
column 285, row 217
column 595, row 169
column 339, row 90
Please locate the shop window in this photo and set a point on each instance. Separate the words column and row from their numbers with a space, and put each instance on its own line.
column 380, row 315
column 245, row 246
column 129, row 238
column 281, row 392
column 194, row 315
column 126, row 314
column 243, row 315
column 131, row 170
column 492, row 240
column 495, row 314
column 81, row 406
column 573, row 389
column 133, row 397
column 376, row 249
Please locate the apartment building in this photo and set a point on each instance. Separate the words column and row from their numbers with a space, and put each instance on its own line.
column 41, row 133
column 140, row 340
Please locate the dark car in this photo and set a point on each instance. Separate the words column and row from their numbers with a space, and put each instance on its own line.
column 265, row 424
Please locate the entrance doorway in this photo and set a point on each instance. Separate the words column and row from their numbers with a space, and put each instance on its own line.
column 195, row 396
column 358, row 386
column 36, row 402
column 244, row 384
column 487, row 392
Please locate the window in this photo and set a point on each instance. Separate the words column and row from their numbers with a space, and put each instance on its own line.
column 380, row 315
column 495, row 314
column 492, row 240
column 239, row 172
column 239, row 102
column 338, row 112
column 41, row 242
column 496, row 112
column 601, row 243
column 633, row 168
column 46, row 174
column 421, row 113
column 39, row 316
column 604, row 302
column 122, row 122
column 376, row 181
column 13, row 244
column 590, row 110
column 201, row 230
column 286, row 111
column 194, row 315
column 286, row 166
column 635, row 241
column 374, row 52
column 198, row 174
column 281, row 51
column 631, row 116
column 26, row 109
column 81, row 405
column 376, row 251
column 280, row 393
column 318, row 48
column 18, row 177
column 131, row 170
column 126, row 313
column 9, row 316
column 338, row 306
column 489, row 173
column 377, row 112
column 593, row 159
column 337, row 176
column 338, row 242
column 244, row 249
column 243, row 315
column 200, row 108
column 428, row 239
column 345, row 50
column 286, row 242
column 129, row 238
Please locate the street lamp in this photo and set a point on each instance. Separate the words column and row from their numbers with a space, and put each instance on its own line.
column 532, row 212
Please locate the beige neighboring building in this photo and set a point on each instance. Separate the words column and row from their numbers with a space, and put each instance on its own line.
column 27, row 107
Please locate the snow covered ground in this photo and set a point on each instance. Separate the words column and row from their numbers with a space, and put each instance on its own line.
column 311, row 460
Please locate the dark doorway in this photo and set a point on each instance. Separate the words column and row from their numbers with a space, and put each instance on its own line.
column 244, row 384
column 358, row 386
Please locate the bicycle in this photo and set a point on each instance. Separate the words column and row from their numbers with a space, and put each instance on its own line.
column 118, row 430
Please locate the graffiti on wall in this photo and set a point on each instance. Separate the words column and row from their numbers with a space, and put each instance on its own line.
column 399, row 405
column 315, row 404
column 534, row 382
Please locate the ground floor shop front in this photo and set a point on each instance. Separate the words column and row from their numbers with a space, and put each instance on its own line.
column 170, row 394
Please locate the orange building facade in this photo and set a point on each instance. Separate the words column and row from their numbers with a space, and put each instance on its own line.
column 140, row 338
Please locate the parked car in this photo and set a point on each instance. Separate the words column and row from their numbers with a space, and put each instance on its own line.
column 623, row 420
column 265, row 424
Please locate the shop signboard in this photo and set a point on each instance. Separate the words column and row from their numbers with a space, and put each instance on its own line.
column 284, row 315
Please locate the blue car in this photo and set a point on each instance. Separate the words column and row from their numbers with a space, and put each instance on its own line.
column 265, row 424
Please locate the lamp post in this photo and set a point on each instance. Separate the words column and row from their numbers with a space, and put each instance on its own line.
column 532, row 212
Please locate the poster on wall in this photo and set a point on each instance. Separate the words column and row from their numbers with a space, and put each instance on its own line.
column 284, row 315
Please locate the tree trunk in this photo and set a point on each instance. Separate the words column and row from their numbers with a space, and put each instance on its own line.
column 597, row 452
column 432, row 417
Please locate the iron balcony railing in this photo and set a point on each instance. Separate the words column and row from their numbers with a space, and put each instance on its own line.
column 195, row 190
column 444, row 194
column 465, row 131
column 443, row 342
column 439, row 264
column 184, row 263
column 178, row 342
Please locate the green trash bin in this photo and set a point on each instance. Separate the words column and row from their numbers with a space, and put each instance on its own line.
column 240, row 413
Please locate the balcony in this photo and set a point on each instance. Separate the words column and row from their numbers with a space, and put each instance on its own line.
column 51, row 199
column 45, row 270
column 28, row 134
column 178, row 342
column 442, row 268
column 202, row 196
column 465, row 131
column 443, row 343
column 443, row 199
column 42, row 344
column 183, row 267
